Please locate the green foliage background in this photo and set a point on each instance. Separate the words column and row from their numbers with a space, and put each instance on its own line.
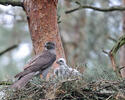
column 84, row 33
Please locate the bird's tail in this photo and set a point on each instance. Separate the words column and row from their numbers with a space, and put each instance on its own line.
column 21, row 74
column 23, row 81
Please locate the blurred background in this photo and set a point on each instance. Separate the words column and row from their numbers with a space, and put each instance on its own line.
column 85, row 33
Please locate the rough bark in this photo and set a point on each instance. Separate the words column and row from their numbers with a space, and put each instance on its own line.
column 122, row 51
column 42, row 20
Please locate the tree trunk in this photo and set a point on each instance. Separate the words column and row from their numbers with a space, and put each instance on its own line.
column 42, row 20
column 122, row 51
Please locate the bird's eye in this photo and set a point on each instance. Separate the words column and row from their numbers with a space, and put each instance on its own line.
column 61, row 61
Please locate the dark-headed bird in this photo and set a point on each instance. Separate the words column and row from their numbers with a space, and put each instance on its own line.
column 38, row 65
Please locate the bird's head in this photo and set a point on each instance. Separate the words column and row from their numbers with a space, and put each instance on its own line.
column 61, row 61
column 50, row 45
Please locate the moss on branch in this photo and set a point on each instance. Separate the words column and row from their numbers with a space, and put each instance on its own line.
column 119, row 44
column 11, row 2
column 112, row 53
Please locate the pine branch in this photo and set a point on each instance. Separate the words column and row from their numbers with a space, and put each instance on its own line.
column 11, row 2
column 8, row 49
column 109, row 9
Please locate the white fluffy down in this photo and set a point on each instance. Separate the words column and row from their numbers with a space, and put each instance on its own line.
column 64, row 71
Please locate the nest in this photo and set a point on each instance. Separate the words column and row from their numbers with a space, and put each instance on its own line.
column 68, row 89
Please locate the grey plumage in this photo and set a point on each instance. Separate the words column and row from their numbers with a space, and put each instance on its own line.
column 23, row 81
column 38, row 65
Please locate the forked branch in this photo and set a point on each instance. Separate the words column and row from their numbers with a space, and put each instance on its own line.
column 112, row 54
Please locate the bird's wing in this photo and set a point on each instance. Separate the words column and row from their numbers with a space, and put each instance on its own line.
column 31, row 61
column 42, row 62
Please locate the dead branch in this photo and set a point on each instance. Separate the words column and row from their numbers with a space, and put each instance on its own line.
column 112, row 39
column 8, row 49
column 11, row 2
column 106, row 52
column 108, row 9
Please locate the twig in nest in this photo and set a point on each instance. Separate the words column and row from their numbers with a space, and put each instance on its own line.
column 109, row 97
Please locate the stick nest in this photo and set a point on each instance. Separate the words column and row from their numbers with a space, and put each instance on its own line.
column 68, row 89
